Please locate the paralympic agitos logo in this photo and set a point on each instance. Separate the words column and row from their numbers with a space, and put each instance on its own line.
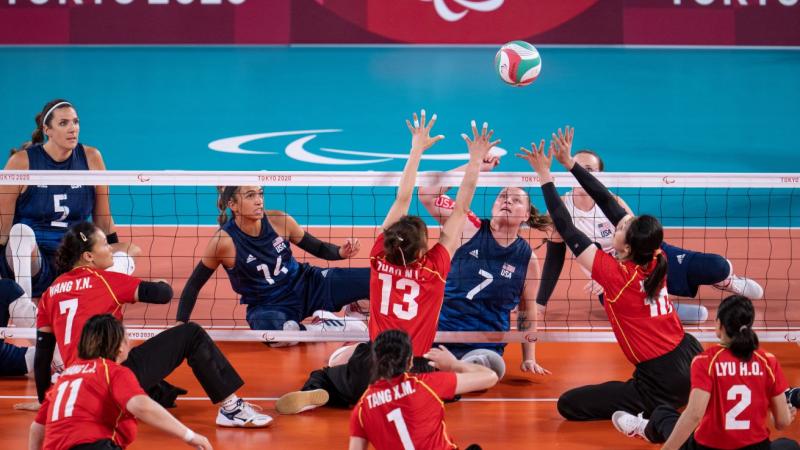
column 298, row 150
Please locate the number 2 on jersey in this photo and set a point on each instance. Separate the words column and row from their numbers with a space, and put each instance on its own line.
column 406, row 311
column 743, row 393
column 396, row 416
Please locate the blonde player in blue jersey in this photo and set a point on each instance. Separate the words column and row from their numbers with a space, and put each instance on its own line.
column 34, row 218
column 493, row 272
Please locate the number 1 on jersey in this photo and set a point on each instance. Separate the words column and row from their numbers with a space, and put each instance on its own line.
column 396, row 416
column 74, row 387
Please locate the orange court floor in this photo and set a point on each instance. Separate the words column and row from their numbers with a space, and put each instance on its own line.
column 520, row 412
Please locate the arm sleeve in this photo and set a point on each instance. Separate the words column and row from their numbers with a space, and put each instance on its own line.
column 157, row 292
column 600, row 194
column 553, row 264
column 575, row 239
column 356, row 427
column 43, row 358
column 318, row 248
column 196, row 280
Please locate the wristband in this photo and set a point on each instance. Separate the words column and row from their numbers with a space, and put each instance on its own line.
column 189, row 435
column 112, row 238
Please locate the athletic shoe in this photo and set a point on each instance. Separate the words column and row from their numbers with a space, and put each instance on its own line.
column 328, row 321
column 742, row 286
column 299, row 401
column 244, row 415
column 630, row 425
column 358, row 310
column 289, row 325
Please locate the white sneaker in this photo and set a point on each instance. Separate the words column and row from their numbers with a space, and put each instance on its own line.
column 289, row 325
column 244, row 415
column 299, row 401
column 630, row 425
column 328, row 321
column 358, row 310
column 742, row 286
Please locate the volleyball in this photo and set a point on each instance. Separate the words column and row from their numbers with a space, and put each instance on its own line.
column 518, row 63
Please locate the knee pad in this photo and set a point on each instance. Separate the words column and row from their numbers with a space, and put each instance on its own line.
column 21, row 243
column 487, row 358
column 123, row 263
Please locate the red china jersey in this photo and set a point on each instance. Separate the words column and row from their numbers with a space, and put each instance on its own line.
column 736, row 415
column 407, row 298
column 405, row 412
column 88, row 404
column 644, row 331
column 75, row 297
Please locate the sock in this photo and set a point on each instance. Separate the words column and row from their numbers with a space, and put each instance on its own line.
column 21, row 243
column 230, row 403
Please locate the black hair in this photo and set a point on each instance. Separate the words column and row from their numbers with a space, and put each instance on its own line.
column 404, row 240
column 645, row 235
column 226, row 194
column 736, row 314
column 101, row 337
column 392, row 354
column 78, row 239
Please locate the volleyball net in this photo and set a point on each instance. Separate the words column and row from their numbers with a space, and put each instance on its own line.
column 751, row 219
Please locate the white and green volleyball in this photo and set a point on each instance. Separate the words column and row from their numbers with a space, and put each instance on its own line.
column 518, row 63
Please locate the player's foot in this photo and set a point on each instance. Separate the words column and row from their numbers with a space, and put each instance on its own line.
column 630, row 425
column 358, row 310
column 328, row 321
column 299, row 401
column 289, row 325
column 742, row 286
column 243, row 415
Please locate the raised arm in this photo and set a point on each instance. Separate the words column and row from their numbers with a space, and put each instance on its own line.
column 421, row 140
column 577, row 242
column 434, row 198
column 220, row 250
column 608, row 202
column 478, row 147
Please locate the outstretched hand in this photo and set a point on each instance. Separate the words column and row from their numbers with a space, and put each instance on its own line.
column 531, row 366
column 481, row 143
column 539, row 161
column 350, row 248
column 421, row 139
column 562, row 144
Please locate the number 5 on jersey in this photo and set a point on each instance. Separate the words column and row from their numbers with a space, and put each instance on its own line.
column 406, row 310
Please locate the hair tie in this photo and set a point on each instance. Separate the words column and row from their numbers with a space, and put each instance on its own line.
column 400, row 238
column 742, row 328
column 53, row 108
column 83, row 236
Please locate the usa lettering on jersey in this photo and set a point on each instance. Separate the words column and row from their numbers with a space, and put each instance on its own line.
column 279, row 244
column 507, row 270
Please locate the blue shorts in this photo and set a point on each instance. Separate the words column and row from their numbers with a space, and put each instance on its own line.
column 316, row 289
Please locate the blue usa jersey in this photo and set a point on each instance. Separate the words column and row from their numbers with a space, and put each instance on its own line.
column 484, row 284
column 51, row 210
column 265, row 270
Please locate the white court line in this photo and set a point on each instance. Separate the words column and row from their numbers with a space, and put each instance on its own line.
column 272, row 399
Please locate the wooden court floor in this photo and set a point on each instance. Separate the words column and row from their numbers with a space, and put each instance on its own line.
column 520, row 412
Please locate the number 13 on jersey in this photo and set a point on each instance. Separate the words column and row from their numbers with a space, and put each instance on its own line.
column 406, row 308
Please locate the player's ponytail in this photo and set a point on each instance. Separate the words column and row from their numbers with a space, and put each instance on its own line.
column 392, row 354
column 645, row 235
column 101, row 337
column 24, row 146
column 736, row 315
column 404, row 240
column 45, row 117
column 538, row 221
column 78, row 239
column 226, row 194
